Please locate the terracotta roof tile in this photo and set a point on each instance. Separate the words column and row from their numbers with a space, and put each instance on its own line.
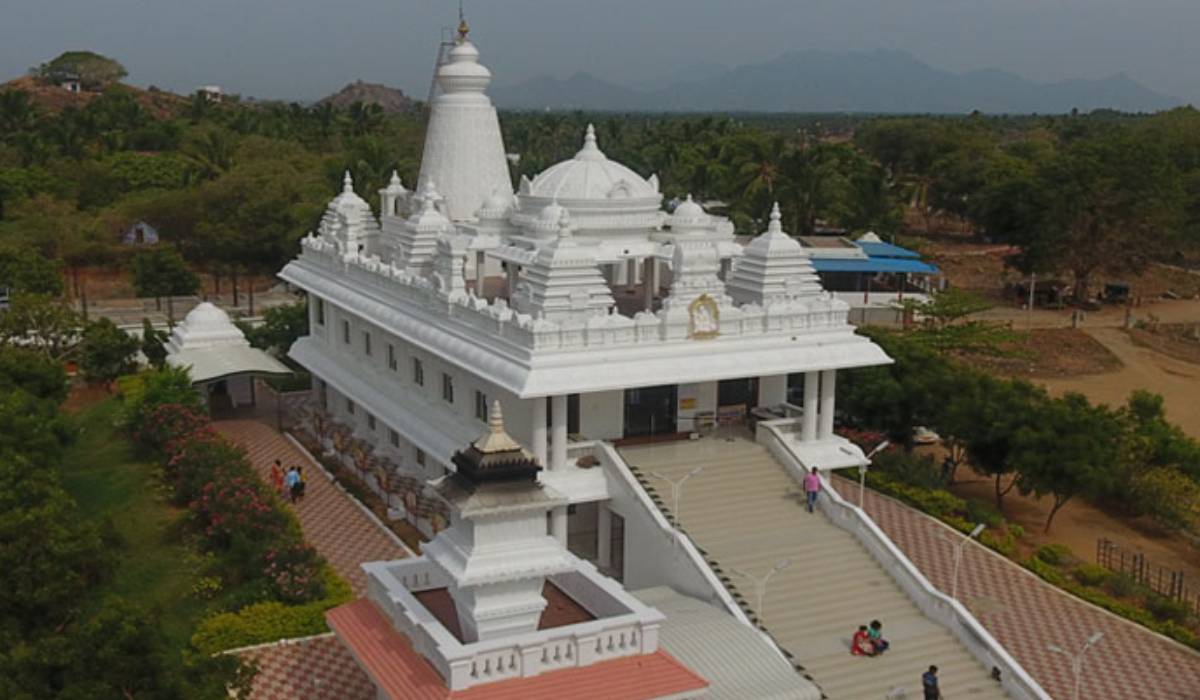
column 388, row 657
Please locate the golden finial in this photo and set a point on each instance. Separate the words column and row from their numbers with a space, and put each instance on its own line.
column 462, row 24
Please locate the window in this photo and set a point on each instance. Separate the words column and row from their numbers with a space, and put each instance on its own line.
column 420, row 456
column 418, row 372
column 346, row 332
column 394, row 437
column 481, row 406
column 320, row 312
column 391, row 357
column 370, row 421
column 349, row 407
column 447, row 388
column 367, row 343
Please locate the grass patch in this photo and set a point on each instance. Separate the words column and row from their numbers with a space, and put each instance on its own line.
column 112, row 483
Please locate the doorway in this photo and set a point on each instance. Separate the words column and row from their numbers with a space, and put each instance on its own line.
column 650, row 411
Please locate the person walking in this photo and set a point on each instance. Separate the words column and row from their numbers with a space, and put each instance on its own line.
column 294, row 483
column 277, row 477
column 929, row 683
column 812, row 488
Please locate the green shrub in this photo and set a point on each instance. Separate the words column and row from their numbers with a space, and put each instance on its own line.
column 269, row 622
column 1121, row 585
column 1168, row 610
column 1092, row 574
column 1045, row 570
column 980, row 511
column 1056, row 554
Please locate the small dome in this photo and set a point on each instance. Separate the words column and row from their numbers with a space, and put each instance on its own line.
column 590, row 175
column 690, row 215
column 551, row 213
column 205, row 326
column 497, row 205
column 206, row 317
column 348, row 200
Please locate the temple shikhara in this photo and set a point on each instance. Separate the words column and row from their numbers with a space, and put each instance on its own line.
column 528, row 374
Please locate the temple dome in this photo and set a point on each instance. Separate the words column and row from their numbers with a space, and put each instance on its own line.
column 590, row 175
column 463, row 72
column 205, row 326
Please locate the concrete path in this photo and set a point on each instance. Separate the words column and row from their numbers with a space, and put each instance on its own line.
column 747, row 514
column 1026, row 615
column 330, row 520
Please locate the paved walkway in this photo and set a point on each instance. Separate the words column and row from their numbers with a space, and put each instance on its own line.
column 330, row 520
column 317, row 668
column 1026, row 615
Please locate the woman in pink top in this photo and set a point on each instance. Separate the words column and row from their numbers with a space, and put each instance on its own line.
column 812, row 487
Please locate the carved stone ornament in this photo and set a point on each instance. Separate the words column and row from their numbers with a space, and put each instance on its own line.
column 705, row 317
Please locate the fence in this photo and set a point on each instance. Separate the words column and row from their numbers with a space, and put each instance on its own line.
column 1161, row 580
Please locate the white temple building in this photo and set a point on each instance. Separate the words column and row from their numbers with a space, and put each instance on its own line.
column 599, row 323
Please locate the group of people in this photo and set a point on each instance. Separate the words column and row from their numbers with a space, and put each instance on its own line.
column 868, row 640
column 289, row 483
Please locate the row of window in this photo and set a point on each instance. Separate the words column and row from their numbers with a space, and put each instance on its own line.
column 372, row 424
column 418, row 367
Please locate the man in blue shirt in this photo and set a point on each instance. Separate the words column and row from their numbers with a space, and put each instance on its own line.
column 929, row 681
column 293, row 483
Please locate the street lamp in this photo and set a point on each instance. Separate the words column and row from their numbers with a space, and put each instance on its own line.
column 958, row 555
column 862, row 468
column 1077, row 659
column 760, row 584
column 677, row 488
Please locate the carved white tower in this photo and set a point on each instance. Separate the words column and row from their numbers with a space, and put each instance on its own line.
column 464, row 151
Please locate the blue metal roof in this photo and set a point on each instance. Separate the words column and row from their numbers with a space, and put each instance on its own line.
column 885, row 250
column 874, row 265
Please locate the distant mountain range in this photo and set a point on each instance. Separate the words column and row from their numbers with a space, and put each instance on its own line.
column 827, row 81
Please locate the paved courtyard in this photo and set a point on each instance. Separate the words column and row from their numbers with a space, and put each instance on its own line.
column 317, row 668
column 1026, row 615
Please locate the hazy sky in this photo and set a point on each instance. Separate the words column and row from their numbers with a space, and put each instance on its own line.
column 308, row 48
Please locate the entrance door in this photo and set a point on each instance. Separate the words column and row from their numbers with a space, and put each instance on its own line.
column 738, row 392
column 651, row 410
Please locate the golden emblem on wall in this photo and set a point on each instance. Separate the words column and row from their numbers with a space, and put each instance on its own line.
column 704, row 318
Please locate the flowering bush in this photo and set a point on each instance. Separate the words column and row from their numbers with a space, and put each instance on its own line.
column 293, row 573
column 238, row 506
column 202, row 458
column 162, row 424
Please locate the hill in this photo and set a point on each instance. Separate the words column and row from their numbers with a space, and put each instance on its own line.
column 829, row 81
column 55, row 99
column 392, row 100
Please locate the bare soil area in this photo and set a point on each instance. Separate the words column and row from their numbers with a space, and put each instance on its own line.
column 1180, row 341
column 1079, row 525
column 1048, row 352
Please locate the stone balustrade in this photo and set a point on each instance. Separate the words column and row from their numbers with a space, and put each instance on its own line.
column 499, row 323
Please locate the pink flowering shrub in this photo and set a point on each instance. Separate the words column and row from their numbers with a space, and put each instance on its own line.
column 162, row 424
column 202, row 458
column 865, row 439
column 237, row 506
column 293, row 573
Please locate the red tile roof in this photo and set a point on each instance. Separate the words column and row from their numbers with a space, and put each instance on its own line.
column 390, row 660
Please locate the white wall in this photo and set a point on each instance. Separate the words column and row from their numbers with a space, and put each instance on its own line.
column 772, row 390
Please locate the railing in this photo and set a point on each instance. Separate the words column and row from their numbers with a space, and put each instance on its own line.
column 934, row 604
column 1161, row 580
column 630, row 629
column 503, row 325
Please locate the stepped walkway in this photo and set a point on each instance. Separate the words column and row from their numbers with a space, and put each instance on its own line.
column 747, row 514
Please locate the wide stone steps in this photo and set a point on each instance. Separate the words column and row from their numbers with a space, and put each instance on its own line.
column 746, row 514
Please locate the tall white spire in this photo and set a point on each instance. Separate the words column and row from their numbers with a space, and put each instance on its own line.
column 464, row 151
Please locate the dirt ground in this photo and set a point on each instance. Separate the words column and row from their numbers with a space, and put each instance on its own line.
column 1079, row 525
column 84, row 395
column 1178, row 340
column 1049, row 352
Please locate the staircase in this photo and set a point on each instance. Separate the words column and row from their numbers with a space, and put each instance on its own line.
column 745, row 513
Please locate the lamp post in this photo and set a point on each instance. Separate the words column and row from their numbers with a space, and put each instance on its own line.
column 958, row 555
column 1077, row 660
column 760, row 583
column 862, row 470
column 677, row 488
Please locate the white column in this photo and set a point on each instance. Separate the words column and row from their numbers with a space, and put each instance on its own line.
column 809, row 429
column 558, row 432
column 631, row 273
column 648, row 283
column 512, row 279
column 604, row 536
column 558, row 524
column 772, row 390
column 828, row 389
column 480, row 274
column 538, row 435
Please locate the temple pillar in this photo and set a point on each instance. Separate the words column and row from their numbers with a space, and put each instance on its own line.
column 809, row 427
column 512, row 279
column 538, row 435
column 828, row 389
column 480, row 274
column 558, row 524
column 558, row 432
column 603, row 535
column 648, row 265
column 631, row 274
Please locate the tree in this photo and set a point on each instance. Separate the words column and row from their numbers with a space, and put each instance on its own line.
column 42, row 323
column 1067, row 449
column 32, row 373
column 24, row 270
column 281, row 327
column 106, row 352
column 152, row 345
column 162, row 271
column 946, row 326
column 93, row 70
column 999, row 410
